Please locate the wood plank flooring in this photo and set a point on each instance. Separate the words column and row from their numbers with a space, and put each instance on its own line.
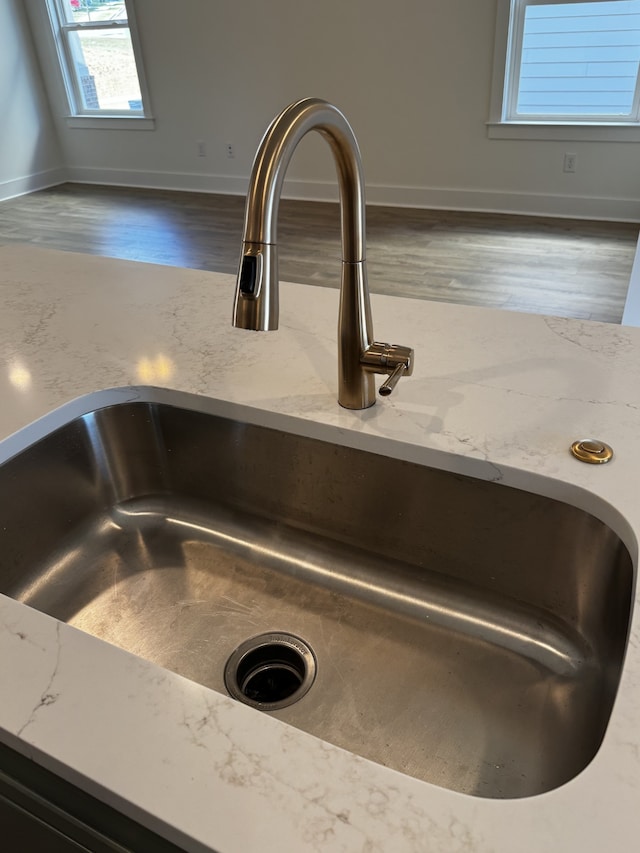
column 570, row 268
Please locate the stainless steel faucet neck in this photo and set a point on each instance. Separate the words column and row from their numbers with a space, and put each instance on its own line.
column 256, row 301
column 271, row 163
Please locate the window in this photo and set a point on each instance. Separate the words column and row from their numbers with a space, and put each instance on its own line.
column 570, row 63
column 100, row 59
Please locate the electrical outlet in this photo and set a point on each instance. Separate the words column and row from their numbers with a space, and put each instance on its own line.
column 230, row 151
column 570, row 162
column 201, row 148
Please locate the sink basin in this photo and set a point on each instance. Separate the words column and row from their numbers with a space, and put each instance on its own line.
column 460, row 631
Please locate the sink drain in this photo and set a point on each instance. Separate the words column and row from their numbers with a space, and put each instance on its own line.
column 270, row 671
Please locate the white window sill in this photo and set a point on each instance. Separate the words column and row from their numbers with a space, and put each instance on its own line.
column 111, row 122
column 576, row 132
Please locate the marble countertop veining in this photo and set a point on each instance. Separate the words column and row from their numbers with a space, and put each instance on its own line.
column 497, row 395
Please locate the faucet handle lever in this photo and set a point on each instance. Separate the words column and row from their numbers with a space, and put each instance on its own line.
column 393, row 359
column 391, row 381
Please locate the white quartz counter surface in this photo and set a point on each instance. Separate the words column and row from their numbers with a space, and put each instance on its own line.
column 497, row 395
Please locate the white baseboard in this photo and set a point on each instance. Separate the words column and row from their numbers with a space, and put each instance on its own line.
column 524, row 204
column 434, row 198
column 183, row 181
column 31, row 183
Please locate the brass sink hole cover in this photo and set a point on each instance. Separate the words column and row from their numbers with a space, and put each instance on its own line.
column 270, row 671
column 591, row 450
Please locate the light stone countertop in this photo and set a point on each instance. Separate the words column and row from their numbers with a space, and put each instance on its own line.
column 497, row 395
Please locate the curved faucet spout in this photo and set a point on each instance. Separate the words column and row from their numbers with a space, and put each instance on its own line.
column 256, row 301
column 271, row 163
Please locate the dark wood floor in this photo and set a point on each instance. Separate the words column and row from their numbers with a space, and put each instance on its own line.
column 565, row 267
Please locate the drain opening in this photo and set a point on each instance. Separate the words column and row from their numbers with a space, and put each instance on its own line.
column 270, row 671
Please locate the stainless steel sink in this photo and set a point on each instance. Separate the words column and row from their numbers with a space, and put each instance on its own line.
column 462, row 632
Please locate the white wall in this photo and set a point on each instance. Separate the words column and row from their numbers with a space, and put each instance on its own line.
column 30, row 157
column 412, row 76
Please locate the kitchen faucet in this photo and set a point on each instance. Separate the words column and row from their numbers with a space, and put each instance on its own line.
column 256, row 299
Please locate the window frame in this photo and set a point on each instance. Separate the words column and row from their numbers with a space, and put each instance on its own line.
column 503, row 120
column 79, row 115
